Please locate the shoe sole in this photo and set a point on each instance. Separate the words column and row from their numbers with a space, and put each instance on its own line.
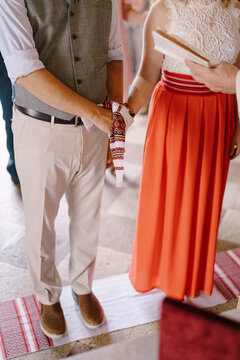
column 89, row 326
column 51, row 336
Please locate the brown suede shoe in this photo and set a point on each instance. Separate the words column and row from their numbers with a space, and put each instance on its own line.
column 90, row 310
column 52, row 320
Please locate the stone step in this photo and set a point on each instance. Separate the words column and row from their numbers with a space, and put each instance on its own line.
column 94, row 343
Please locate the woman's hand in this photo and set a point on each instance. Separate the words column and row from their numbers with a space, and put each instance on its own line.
column 235, row 143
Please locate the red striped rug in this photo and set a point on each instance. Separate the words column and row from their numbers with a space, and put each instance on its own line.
column 20, row 332
column 227, row 274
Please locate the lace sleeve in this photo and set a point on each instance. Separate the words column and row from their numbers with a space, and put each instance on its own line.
column 172, row 13
column 205, row 25
column 168, row 4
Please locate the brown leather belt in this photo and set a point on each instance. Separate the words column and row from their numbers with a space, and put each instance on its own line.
column 76, row 120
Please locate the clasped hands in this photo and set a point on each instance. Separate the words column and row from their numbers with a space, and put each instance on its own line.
column 122, row 117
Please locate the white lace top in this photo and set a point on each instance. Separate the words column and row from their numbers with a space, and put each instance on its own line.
column 207, row 26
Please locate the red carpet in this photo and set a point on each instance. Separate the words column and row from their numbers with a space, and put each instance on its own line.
column 20, row 332
column 227, row 273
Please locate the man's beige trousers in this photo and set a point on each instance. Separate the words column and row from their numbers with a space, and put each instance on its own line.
column 51, row 160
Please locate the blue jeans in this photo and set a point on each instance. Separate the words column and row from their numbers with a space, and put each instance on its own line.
column 6, row 101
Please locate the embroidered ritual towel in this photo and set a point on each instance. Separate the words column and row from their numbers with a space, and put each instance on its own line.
column 122, row 118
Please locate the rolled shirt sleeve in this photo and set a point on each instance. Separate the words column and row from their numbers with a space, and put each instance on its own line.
column 115, row 50
column 16, row 40
column 17, row 44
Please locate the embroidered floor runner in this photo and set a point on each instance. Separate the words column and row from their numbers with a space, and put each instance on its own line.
column 227, row 274
column 20, row 332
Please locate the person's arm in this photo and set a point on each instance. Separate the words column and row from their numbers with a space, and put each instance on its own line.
column 115, row 91
column 238, row 87
column 235, row 142
column 25, row 68
column 115, row 58
column 221, row 78
column 114, row 68
column 133, row 16
column 115, row 80
column 55, row 93
column 16, row 40
column 151, row 62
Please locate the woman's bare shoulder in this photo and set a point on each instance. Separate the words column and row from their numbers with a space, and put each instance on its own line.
column 158, row 14
column 159, row 7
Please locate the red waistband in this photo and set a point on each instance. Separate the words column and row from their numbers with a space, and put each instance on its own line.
column 183, row 84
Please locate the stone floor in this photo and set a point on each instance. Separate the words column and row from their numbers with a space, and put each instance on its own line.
column 119, row 207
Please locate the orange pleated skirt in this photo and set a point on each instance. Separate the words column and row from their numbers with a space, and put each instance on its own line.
column 185, row 166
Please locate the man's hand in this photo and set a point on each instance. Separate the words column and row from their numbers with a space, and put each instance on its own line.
column 221, row 78
column 104, row 119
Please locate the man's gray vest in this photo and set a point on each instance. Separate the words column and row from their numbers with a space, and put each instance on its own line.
column 72, row 42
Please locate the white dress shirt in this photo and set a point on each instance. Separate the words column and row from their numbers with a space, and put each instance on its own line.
column 17, row 44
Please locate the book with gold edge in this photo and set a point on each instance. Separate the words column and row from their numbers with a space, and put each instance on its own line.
column 180, row 50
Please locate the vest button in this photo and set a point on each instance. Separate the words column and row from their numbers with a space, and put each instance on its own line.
column 76, row 58
column 74, row 37
column 71, row 13
column 79, row 81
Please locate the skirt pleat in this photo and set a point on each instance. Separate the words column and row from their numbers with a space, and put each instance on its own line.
column 185, row 165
